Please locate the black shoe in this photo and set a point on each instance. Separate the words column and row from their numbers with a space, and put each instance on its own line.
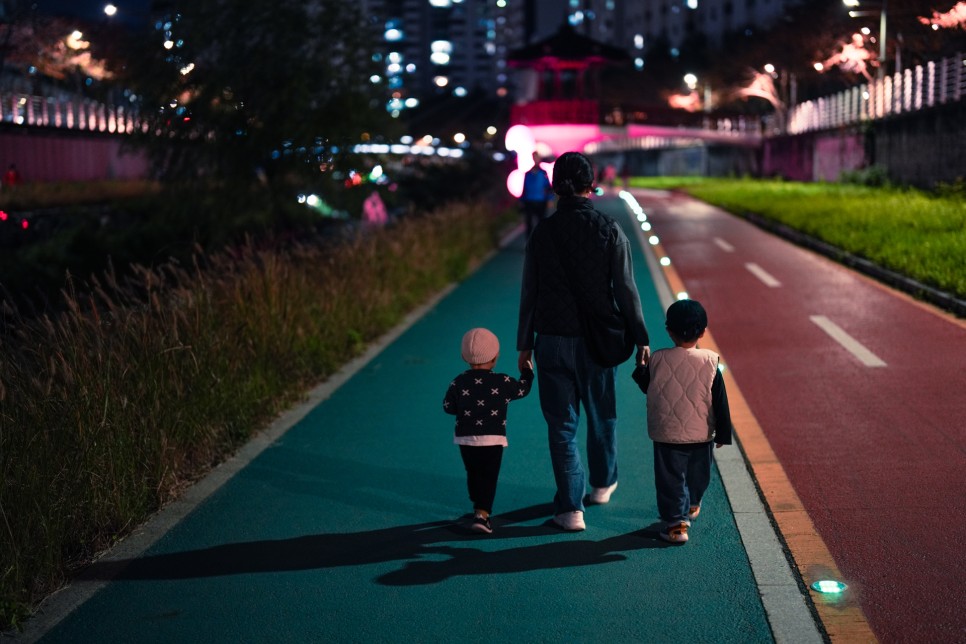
column 481, row 524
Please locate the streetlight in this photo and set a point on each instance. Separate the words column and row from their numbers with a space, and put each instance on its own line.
column 110, row 10
column 882, row 29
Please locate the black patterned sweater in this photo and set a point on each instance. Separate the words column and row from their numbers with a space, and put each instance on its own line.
column 479, row 399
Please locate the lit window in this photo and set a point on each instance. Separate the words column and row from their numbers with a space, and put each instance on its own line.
column 439, row 58
column 392, row 35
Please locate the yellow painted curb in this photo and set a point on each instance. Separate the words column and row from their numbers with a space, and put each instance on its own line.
column 841, row 615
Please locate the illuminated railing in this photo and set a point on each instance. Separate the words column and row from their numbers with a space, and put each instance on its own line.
column 69, row 113
column 929, row 85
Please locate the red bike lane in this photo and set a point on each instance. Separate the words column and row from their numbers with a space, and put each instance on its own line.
column 861, row 393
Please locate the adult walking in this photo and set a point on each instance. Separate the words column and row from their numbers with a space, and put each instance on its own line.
column 577, row 259
column 537, row 193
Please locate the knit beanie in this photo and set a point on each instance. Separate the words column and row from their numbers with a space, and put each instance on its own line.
column 686, row 319
column 479, row 346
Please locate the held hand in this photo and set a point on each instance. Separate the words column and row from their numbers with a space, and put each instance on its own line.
column 718, row 445
column 643, row 354
column 523, row 361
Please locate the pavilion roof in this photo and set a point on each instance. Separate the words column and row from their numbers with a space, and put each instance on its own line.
column 567, row 46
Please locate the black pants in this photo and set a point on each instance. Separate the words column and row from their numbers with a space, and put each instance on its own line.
column 482, row 470
column 533, row 212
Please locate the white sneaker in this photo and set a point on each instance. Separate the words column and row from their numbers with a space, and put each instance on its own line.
column 571, row 521
column 601, row 495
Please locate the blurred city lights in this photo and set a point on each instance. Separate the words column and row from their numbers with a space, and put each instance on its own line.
column 76, row 40
column 110, row 10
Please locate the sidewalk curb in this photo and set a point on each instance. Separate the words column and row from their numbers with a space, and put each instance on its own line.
column 790, row 611
column 59, row 605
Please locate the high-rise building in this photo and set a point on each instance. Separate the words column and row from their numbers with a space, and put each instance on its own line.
column 638, row 25
column 433, row 47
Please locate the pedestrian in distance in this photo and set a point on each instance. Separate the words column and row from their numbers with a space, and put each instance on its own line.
column 537, row 193
column 479, row 398
column 577, row 259
column 11, row 177
column 687, row 417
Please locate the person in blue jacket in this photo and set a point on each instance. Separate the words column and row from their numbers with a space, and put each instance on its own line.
column 537, row 193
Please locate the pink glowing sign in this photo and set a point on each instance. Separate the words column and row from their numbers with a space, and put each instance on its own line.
column 520, row 139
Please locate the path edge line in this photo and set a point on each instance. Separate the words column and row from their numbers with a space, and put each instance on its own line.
column 769, row 514
column 59, row 605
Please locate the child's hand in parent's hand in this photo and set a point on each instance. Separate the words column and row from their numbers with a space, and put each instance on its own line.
column 718, row 445
column 528, row 365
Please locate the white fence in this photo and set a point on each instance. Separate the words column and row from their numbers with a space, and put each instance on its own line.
column 934, row 83
column 70, row 113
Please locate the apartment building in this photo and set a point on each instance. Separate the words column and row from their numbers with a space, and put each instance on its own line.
column 432, row 47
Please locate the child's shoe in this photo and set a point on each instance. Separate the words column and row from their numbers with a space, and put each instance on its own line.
column 481, row 524
column 675, row 533
column 694, row 511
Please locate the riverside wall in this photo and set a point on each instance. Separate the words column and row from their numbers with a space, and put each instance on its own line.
column 920, row 149
column 48, row 155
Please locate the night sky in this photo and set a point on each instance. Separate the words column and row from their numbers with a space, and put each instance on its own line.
column 94, row 9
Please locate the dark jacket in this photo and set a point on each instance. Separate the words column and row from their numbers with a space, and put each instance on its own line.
column 576, row 250
column 479, row 398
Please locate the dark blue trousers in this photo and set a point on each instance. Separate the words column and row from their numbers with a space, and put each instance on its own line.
column 682, row 473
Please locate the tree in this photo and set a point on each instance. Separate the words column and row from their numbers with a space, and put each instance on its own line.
column 232, row 91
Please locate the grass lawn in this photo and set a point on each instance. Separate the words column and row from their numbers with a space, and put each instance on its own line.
column 911, row 232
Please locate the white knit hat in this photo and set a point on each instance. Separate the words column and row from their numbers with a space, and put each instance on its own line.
column 479, row 346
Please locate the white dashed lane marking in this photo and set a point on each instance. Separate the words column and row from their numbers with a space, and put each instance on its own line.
column 723, row 245
column 853, row 346
column 763, row 275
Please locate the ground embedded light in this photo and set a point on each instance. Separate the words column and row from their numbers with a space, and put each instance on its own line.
column 829, row 586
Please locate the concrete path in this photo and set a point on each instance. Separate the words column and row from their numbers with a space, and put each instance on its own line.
column 341, row 523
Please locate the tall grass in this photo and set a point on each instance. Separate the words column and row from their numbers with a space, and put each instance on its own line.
column 72, row 193
column 107, row 411
column 915, row 233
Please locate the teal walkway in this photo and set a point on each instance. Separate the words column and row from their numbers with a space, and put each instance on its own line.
column 345, row 527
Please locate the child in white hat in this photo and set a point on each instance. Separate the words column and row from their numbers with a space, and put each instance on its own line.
column 478, row 398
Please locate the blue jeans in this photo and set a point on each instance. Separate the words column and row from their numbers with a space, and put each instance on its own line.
column 681, row 475
column 567, row 378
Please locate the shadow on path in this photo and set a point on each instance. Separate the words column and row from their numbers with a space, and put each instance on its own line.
column 402, row 543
